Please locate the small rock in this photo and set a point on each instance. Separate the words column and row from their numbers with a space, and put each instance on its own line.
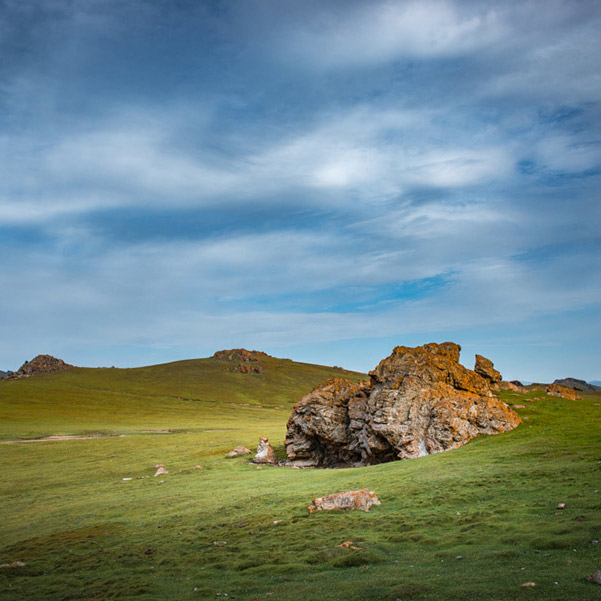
column 353, row 499
column 238, row 452
column 14, row 564
column 158, row 465
column 519, row 406
column 276, row 522
column 595, row 577
column 265, row 454
column 126, row 479
column 561, row 505
column 219, row 543
column 459, row 557
column 259, row 467
column 529, row 584
column 197, row 467
column 161, row 470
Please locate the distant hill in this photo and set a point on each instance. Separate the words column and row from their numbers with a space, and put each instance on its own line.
column 169, row 395
column 3, row 374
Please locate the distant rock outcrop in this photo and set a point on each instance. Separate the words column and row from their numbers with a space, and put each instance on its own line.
column 418, row 401
column 42, row 364
column 561, row 391
column 576, row 384
column 248, row 361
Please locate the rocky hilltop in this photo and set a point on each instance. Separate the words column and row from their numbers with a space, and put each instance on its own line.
column 248, row 362
column 576, row 384
column 42, row 364
column 418, row 401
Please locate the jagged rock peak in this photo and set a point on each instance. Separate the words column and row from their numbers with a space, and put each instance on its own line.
column 239, row 354
column 418, row 401
column 486, row 368
column 42, row 364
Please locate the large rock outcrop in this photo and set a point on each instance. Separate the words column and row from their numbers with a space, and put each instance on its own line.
column 247, row 361
column 42, row 364
column 418, row 401
column 486, row 368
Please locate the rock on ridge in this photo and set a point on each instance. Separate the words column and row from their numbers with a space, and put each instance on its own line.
column 576, row 384
column 485, row 368
column 418, row 401
column 240, row 354
column 42, row 364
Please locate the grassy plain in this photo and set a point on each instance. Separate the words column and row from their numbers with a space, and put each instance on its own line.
column 471, row 524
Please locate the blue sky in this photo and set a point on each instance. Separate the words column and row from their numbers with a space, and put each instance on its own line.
column 319, row 180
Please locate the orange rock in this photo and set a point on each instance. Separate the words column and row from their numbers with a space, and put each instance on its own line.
column 238, row 452
column 161, row 471
column 353, row 499
column 529, row 584
column 561, row 391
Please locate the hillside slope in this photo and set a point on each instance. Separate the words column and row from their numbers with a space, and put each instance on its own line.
column 179, row 395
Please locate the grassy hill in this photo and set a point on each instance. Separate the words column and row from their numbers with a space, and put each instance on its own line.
column 474, row 523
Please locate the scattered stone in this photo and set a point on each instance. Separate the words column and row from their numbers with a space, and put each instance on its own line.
column 485, row 367
column 275, row 522
column 353, row 499
column 158, row 465
column 507, row 386
column 197, row 467
column 219, row 543
column 14, row 564
column 349, row 545
column 595, row 577
column 245, row 368
column 160, row 471
column 458, row 556
column 238, row 452
column 265, row 454
column 561, row 505
column 529, row 584
column 561, row 392
column 419, row 401
column 259, row 467
column 126, row 479
column 519, row 406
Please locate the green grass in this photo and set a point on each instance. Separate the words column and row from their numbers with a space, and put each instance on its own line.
column 84, row 533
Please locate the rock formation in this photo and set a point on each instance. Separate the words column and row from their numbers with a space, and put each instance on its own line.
column 418, row 401
column 561, row 392
column 42, row 364
column 265, row 454
column 485, row 367
column 353, row 499
column 575, row 384
column 248, row 361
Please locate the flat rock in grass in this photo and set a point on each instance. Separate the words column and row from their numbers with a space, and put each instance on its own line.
column 265, row 454
column 519, row 406
column 14, row 564
column 353, row 499
column 529, row 584
column 595, row 578
column 160, row 471
column 238, row 452
column 561, row 505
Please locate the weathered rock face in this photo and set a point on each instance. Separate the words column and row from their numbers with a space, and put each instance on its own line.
column 42, row 364
column 418, row 401
column 486, row 368
column 353, row 499
column 265, row 454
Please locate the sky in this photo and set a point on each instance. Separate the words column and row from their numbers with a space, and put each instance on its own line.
column 318, row 180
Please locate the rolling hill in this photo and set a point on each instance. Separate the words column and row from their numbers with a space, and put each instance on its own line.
column 89, row 520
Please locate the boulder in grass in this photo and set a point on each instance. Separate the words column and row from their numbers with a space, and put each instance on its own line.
column 265, row 454
column 353, row 499
column 595, row 577
column 238, row 452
